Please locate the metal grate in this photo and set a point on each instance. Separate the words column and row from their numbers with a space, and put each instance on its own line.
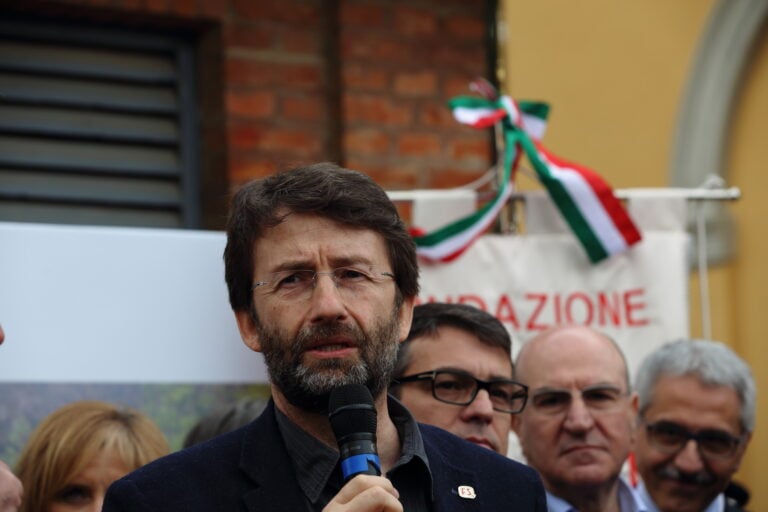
column 97, row 126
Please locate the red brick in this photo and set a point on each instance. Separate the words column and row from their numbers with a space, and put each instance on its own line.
column 242, row 35
column 244, row 135
column 242, row 71
column 251, row 104
column 458, row 85
column 297, row 141
column 302, row 109
column 366, row 141
column 249, row 136
column 389, row 176
column 416, row 83
column 214, row 8
column 160, row 6
column 436, row 115
column 242, row 169
column 466, row 59
column 187, row 8
column 373, row 48
column 451, row 178
column 415, row 22
column 363, row 15
column 364, row 78
column 477, row 150
column 284, row 11
column 419, row 144
column 465, row 28
column 376, row 110
column 130, row 4
column 303, row 40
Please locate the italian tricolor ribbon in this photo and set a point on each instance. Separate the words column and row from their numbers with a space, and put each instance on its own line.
column 586, row 202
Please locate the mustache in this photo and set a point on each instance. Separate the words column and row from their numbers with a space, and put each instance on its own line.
column 310, row 335
column 698, row 478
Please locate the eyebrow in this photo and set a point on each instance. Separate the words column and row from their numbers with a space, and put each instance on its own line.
column 304, row 264
column 594, row 387
column 462, row 370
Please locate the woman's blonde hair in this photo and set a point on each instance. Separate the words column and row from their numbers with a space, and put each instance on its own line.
column 66, row 441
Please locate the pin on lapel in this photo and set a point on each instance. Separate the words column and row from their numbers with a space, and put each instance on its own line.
column 467, row 492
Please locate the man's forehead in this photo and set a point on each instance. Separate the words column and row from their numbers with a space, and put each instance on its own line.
column 571, row 355
column 304, row 237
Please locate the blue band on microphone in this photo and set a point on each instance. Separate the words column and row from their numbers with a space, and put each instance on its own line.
column 356, row 464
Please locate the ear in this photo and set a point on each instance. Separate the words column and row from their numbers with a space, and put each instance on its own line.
column 405, row 317
column 742, row 449
column 634, row 405
column 248, row 331
column 632, row 410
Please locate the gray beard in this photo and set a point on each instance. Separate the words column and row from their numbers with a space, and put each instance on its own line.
column 308, row 388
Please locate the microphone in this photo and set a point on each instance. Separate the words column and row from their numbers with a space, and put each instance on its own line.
column 353, row 420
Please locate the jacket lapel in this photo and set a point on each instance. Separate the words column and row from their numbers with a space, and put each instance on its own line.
column 454, row 488
column 264, row 460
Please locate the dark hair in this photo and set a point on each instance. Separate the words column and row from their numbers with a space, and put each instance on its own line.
column 225, row 419
column 327, row 190
column 428, row 318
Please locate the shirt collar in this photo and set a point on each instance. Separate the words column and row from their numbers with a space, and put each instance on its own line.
column 717, row 505
column 314, row 462
column 629, row 501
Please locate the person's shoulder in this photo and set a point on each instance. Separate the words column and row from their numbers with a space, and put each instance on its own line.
column 456, row 448
column 196, row 462
column 194, row 478
column 498, row 478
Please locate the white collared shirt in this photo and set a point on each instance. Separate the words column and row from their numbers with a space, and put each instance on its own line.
column 629, row 501
column 717, row 505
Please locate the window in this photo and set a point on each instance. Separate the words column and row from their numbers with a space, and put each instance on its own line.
column 97, row 126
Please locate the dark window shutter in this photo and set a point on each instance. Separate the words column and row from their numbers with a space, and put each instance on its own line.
column 97, row 126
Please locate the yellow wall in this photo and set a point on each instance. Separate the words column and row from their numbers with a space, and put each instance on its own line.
column 615, row 74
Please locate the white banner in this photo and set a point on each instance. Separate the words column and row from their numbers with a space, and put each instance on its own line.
column 534, row 281
column 118, row 305
column 99, row 304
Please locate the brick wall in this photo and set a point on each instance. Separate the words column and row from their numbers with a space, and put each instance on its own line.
column 285, row 82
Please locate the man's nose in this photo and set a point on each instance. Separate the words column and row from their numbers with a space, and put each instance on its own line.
column 326, row 301
column 481, row 408
column 578, row 417
column 688, row 459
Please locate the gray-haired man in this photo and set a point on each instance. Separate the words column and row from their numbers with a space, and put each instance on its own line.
column 696, row 416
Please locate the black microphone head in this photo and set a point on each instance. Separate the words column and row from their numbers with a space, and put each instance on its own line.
column 351, row 410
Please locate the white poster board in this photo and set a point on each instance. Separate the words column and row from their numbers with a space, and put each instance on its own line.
column 111, row 305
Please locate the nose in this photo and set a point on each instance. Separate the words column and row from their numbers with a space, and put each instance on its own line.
column 578, row 417
column 96, row 505
column 688, row 459
column 480, row 409
column 326, row 302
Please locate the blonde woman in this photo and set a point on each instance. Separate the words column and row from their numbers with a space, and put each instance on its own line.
column 79, row 450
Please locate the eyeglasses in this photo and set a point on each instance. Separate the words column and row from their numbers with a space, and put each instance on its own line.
column 598, row 399
column 351, row 282
column 460, row 388
column 669, row 437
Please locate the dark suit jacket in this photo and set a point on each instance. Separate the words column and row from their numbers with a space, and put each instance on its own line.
column 248, row 470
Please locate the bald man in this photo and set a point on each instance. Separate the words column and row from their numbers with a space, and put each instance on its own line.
column 577, row 428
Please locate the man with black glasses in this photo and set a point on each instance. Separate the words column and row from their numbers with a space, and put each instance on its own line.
column 454, row 371
column 577, row 427
column 322, row 277
column 697, row 414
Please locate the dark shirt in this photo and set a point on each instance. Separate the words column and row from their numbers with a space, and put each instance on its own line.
column 318, row 471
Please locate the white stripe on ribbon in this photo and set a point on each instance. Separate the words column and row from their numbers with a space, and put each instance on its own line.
column 454, row 243
column 591, row 208
column 467, row 115
column 534, row 126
